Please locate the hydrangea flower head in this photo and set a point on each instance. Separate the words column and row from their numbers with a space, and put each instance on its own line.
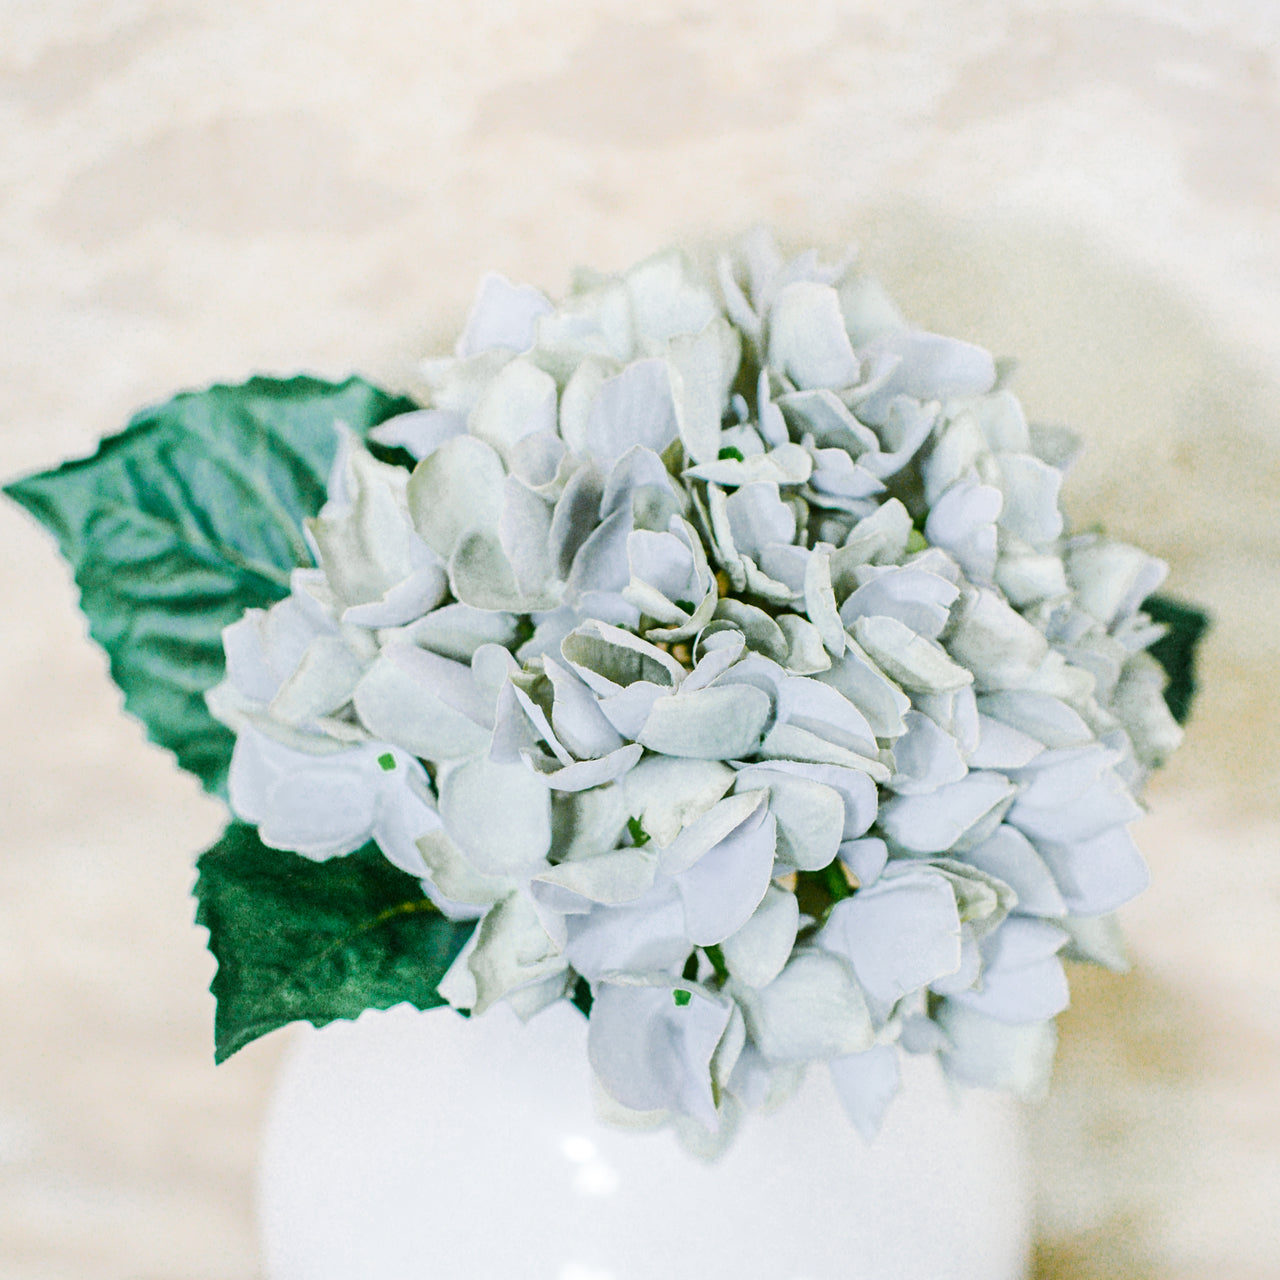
column 725, row 657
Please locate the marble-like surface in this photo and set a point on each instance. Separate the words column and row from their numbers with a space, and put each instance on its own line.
column 192, row 192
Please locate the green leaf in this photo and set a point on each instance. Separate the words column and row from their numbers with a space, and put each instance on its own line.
column 316, row 941
column 184, row 520
column 1175, row 651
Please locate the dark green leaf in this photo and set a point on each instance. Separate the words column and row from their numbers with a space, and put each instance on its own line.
column 1175, row 651
column 184, row 520
column 315, row 941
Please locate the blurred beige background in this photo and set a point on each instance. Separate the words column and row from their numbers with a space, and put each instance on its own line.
column 191, row 192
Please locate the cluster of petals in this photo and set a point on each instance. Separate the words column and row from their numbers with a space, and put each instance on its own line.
column 724, row 655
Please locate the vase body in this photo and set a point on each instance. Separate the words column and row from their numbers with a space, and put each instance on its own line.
column 416, row 1146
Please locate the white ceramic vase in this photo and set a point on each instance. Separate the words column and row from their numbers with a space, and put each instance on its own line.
column 423, row 1146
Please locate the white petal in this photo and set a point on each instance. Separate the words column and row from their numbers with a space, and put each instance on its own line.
column 1009, row 856
column 594, row 773
column 632, row 408
column 317, row 806
column 424, row 703
column 323, row 681
column 1031, row 510
column 864, row 685
column 457, row 630
column 758, row 517
column 820, row 600
column 997, row 1055
column 911, row 659
column 806, row 653
column 503, row 315
column 703, row 366
column 723, row 888
column 916, row 598
column 512, row 950
column 935, row 822
column 519, row 402
column 667, row 298
column 609, row 659
column 814, row 1009
column 576, row 716
column 647, row 935
column 666, row 794
column 824, row 415
column 721, row 723
column 621, row 875
column 867, row 1082
column 1110, row 578
column 925, row 757
column 880, row 538
column 757, row 952
column 1029, row 993
column 932, row 367
column 854, row 786
column 710, row 828
column 962, row 522
column 899, row 934
column 784, row 464
column 865, row 858
column 1096, row 875
column 499, row 815
column 1001, row 746
column 421, row 432
column 807, row 338
column 651, row 1053
column 456, row 488
column 995, row 642
column 810, row 816
column 1042, row 717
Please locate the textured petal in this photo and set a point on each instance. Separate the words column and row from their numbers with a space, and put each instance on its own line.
column 594, row 773
column 757, row 953
column 899, row 934
column 519, row 402
column 963, row 522
column 651, row 1053
column 644, row 936
column 1031, row 510
column 866, row 687
column 725, row 885
column 424, row 703
column 512, row 950
column 710, row 828
column 1098, row 874
column 867, row 1082
column 984, row 1051
column 499, row 815
column 1009, row 856
column 911, row 659
column 813, row 1010
column 807, row 338
column 936, row 821
column 925, row 757
column 632, row 408
column 456, row 488
column 865, row 859
column 703, row 366
column 721, row 723
column 995, row 642
column 666, row 794
column 916, row 598
column 810, row 815
column 503, row 316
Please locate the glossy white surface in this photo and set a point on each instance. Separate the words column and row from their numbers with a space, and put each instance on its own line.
column 412, row 1145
